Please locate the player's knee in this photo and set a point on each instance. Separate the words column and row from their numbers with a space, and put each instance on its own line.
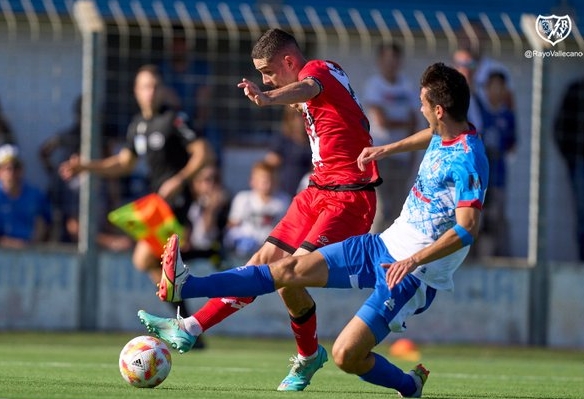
column 345, row 358
column 285, row 273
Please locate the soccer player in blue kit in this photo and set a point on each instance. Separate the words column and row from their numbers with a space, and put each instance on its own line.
column 406, row 264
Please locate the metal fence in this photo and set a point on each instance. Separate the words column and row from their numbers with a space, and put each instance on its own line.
column 50, row 46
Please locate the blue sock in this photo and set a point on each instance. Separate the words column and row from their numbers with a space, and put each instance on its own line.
column 241, row 281
column 390, row 376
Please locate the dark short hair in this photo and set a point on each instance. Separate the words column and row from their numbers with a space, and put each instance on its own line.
column 448, row 88
column 271, row 43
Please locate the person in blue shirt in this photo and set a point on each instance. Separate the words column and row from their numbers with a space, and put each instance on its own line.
column 405, row 265
column 500, row 138
column 25, row 213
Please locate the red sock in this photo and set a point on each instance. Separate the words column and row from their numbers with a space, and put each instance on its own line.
column 218, row 309
column 304, row 329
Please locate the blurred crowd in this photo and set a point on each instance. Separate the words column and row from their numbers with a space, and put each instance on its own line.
column 221, row 224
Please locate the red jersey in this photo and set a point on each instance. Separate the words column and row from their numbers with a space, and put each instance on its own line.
column 338, row 130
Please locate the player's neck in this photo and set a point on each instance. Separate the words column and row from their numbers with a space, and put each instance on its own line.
column 452, row 129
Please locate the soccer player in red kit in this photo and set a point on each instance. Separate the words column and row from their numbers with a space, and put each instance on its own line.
column 338, row 203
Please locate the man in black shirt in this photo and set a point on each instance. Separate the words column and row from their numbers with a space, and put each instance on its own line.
column 173, row 153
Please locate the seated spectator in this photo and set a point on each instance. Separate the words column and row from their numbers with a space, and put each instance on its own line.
column 25, row 212
column 255, row 212
column 207, row 216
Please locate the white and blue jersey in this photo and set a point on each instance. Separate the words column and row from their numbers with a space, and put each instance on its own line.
column 452, row 174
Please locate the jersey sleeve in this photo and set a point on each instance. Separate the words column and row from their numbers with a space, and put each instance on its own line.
column 469, row 187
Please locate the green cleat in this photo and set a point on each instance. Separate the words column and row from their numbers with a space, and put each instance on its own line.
column 420, row 375
column 302, row 371
column 168, row 330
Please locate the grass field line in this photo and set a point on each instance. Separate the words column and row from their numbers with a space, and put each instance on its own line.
column 223, row 370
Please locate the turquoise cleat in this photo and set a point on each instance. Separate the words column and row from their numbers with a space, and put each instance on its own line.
column 302, row 371
column 168, row 330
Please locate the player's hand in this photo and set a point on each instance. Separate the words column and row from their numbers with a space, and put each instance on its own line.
column 70, row 168
column 171, row 187
column 397, row 271
column 253, row 92
column 369, row 154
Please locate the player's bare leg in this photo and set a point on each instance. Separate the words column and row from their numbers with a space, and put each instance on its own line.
column 352, row 353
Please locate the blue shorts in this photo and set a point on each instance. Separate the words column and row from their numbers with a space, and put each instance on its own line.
column 355, row 263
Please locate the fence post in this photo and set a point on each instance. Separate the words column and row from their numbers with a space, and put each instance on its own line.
column 537, row 250
column 91, row 26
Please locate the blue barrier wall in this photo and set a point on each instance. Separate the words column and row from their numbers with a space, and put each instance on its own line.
column 39, row 290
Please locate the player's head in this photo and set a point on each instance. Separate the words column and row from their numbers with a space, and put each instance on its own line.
column 146, row 85
column 446, row 88
column 277, row 56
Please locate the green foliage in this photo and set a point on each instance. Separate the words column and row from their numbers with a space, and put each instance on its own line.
column 61, row 365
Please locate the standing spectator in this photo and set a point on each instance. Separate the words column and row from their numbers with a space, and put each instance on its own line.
column 569, row 136
column 172, row 151
column 64, row 195
column 392, row 106
column 290, row 151
column 338, row 202
column 499, row 136
column 466, row 63
column 25, row 212
column 207, row 217
column 187, row 79
column 254, row 213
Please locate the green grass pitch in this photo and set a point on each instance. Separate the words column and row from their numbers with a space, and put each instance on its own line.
column 79, row 365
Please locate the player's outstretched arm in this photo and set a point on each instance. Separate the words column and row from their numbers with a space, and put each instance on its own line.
column 297, row 92
column 415, row 142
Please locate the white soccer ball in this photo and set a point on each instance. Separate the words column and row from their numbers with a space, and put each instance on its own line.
column 145, row 362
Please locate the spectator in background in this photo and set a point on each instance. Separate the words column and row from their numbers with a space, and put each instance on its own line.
column 569, row 136
column 466, row 63
column 25, row 212
column 172, row 150
column 499, row 137
column 187, row 79
column 254, row 213
column 392, row 107
column 207, row 217
column 64, row 195
column 290, row 151
column 6, row 135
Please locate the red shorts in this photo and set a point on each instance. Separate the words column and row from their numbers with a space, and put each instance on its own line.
column 318, row 217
